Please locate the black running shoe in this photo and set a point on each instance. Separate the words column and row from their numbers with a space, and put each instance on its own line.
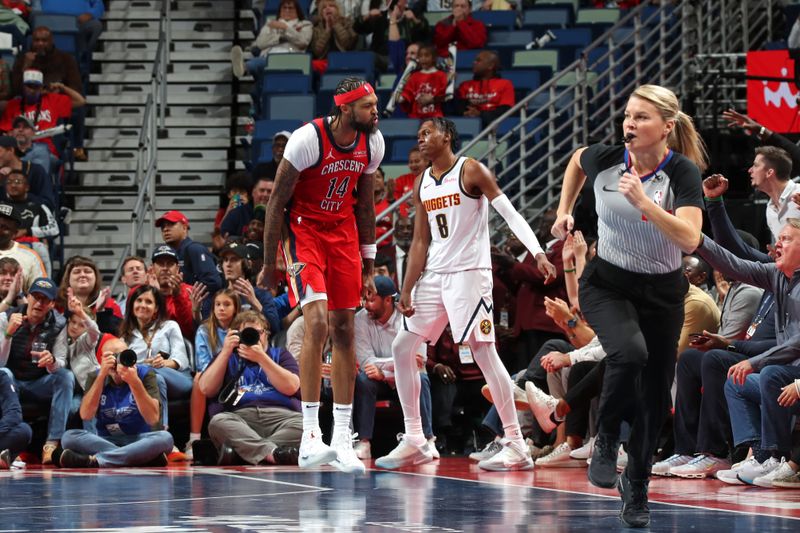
column 285, row 455
column 603, row 468
column 635, row 512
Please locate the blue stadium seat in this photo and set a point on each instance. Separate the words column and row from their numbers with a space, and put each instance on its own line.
column 263, row 153
column 551, row 16
column 400, row 149
column 571, row 37
column 56, row 23
column 517, row 38
column 467, row 127
column 263, row 131
column 271, row 7
column 524, row 79
column 329, row 81
column 497, row 19
column 465, row 58
column 362, row 62
column 399, row 127
column 286, row 82
column 287, row 107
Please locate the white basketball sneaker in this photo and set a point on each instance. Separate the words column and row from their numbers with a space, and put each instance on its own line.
column 313, row 452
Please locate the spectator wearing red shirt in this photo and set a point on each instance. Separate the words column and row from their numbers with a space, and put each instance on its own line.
column 486, row 95
column 43, row 106
column 461, row 28
column 167, row 278
column 402, row 184
column 381, row 204
column 424, row 92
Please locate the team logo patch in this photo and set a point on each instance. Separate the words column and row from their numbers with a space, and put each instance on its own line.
column 296, row 268
column 486, row 327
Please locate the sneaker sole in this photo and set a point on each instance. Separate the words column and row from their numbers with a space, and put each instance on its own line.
column 393, row 465
column 562, row 464
column 321, row 459
column 690, row 476
column 731, row 481
column 785, row 485
column 602, row 484
column 743, row 480
column 505, row 468
column 349, row 469
column 764, row 484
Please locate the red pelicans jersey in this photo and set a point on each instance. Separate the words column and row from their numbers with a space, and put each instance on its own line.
column 325, row 191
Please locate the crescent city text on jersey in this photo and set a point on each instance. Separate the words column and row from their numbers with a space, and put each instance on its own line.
column 441, row 202
column 343, row 165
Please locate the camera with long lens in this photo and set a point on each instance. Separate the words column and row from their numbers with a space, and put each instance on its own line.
column 249, row 337
column 126, row 358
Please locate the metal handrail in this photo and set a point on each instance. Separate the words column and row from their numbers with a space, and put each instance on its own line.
column 153, row 119
column 581, row 103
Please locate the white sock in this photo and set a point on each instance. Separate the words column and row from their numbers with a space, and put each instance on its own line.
column 407, row 381
column 194, row 436
column 341, row 418
column 501, row 386
column 311, row 417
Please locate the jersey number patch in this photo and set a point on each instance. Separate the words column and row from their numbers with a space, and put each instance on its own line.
column 340, row 189
column 441, row 222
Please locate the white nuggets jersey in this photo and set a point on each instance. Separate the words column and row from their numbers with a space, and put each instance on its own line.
column 459, row 222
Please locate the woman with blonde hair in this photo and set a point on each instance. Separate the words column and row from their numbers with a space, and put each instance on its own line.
column 649, row 202
column 333, row 32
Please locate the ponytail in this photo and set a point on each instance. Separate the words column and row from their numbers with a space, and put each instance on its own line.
column 685, row 139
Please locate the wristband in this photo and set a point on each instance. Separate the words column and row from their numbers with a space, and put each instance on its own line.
column 717, row 199
column 568, row 270
column 368, row 251
column 8, row 335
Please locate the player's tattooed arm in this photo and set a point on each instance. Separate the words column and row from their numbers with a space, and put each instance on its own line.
column 285, row 180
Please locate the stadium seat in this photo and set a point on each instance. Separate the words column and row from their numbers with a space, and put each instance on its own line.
column 56, row 23
column 516, row 38
column 435, row 16
column 399, row 127
column 571, row 37
column 549, row 16
column 301, row 62
column 497, row 19
column 394, row 170
column 360, row 62
column 523, row 79
column 286, row 82
column 287, row 107
column 595, row 16
column 465, row 58
column 571, row 3
column 329, row 81
column 400, row 149
column 467, row 127
column 263, row 131
column 536, row 58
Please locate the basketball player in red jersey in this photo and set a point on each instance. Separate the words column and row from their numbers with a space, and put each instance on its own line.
column 323, row 196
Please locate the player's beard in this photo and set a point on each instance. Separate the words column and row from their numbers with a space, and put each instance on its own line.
column 368, row 127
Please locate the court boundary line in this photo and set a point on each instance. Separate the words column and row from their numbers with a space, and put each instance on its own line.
column 564, row 491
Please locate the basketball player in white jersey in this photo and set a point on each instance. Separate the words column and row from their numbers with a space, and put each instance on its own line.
column 450, row 251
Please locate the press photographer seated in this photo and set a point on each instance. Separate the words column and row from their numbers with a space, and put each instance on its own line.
column 124, row 398
column 260, row 389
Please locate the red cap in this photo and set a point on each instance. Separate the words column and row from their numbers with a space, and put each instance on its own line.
column 172, row 216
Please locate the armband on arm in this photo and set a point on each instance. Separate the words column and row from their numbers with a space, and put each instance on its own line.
column 517, row 224
column 368, row 251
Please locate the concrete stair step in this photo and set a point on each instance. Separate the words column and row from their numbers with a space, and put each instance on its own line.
column 148, row 56
column 181, row 90
column 110, row 112
column 136, row 13
column 199, row 66
column 176, row 143
column 164, row 165
column 207, row 76
column 196, row 26
column 171, row 122
column 188, row 180
column 178, row 47
column 187, row 155
column 188, row 99
column 180, row 5
column 132, row 134
column 163, row 203
column 182, row 35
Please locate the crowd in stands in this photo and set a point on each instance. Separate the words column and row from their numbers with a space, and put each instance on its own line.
column 202, row 333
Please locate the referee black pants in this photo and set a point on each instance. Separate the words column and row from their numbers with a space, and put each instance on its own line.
column 638, row 319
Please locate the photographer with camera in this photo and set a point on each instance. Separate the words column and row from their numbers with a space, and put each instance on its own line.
column 259, row 388
column 124, row 399
column 26, row 345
